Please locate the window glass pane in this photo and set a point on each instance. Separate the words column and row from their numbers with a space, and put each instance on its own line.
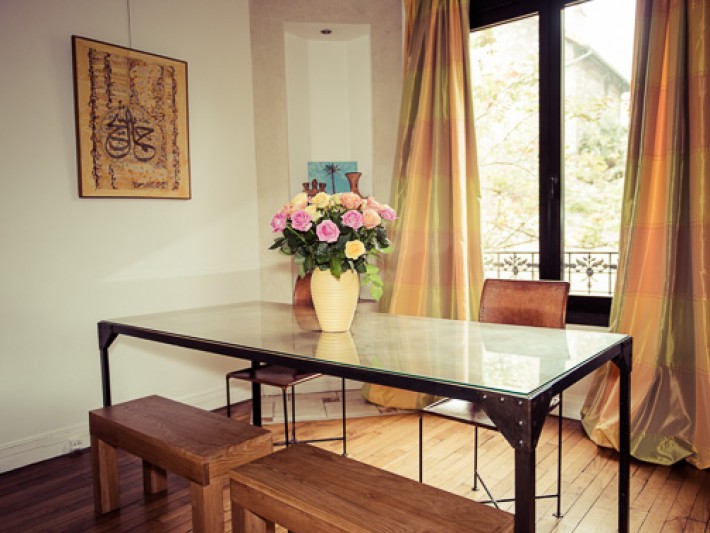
column 597, row 59
column 505, row 80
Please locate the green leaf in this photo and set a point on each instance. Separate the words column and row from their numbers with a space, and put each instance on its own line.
column 335, row 267
column 277, row 243
column 376, row 291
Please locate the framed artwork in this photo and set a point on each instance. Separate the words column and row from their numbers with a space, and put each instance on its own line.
column 131, row 122
column 332, row 173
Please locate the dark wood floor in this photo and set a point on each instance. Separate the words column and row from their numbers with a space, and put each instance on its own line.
column 55, row 495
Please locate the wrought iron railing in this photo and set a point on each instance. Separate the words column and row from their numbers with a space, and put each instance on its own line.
column 588, row 272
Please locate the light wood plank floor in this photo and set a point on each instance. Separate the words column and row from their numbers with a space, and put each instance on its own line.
column 56, row 495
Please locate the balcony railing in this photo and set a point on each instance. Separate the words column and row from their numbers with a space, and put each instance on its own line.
column 592, row 273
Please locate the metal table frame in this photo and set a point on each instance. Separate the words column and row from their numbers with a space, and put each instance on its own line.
column 520, row 418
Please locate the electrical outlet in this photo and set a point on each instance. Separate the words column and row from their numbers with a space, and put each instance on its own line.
column 75, row 445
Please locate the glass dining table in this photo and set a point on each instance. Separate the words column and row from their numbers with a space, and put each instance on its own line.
column 513, row 372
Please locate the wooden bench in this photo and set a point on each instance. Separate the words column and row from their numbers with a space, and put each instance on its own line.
column 169, row 436
column 309, row 490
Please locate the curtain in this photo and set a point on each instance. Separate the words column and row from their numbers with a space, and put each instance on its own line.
column 436, row 267
column 663, row 283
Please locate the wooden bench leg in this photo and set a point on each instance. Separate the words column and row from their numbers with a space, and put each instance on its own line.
column 244, row 521
column 155, row 479
column 105, row 476
column 208, row 506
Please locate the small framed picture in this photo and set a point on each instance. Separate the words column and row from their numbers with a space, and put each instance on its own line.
column 332, row 173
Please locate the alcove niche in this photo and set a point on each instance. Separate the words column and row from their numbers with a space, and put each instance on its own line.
column 329, row 98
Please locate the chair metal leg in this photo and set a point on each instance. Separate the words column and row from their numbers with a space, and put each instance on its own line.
column 229, row 401
column 285, row 403
column 345, row 435
column 475, row 459
column 558, row 514
column 490, row 496
column 421, row 445
column 293, row 414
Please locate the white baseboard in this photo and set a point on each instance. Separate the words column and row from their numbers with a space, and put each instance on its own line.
column 572, row 405
column 44, row 446
column 65, row 440
column 73, row 438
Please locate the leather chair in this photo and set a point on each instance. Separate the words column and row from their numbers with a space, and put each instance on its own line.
column 516, row 302
column 286, row 378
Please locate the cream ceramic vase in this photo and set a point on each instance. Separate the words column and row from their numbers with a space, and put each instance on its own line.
column 335, row 299
column 337, row 346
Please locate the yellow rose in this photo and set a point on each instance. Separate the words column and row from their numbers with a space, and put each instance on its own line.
column 320, row 200
column 314, row 212
column 354, row 249
column 299, row 201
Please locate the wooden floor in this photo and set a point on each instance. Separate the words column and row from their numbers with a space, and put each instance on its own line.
column 56, row 495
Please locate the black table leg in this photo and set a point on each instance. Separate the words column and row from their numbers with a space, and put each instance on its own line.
column 524, row 490
column 256, row 399
column 106, row 337
column 624, row 364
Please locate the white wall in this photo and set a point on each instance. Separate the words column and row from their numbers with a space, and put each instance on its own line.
column 69, row 262
column 329, row 98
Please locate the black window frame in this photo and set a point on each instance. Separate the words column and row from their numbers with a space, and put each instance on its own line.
column 589, row 310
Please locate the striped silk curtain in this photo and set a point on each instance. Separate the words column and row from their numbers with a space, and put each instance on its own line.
column 663, row 285
column 436, row 268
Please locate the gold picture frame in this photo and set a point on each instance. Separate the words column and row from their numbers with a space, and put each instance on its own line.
column 131, row 122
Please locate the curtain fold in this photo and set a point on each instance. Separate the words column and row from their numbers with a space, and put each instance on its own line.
column 663, row 282
column 436, row 268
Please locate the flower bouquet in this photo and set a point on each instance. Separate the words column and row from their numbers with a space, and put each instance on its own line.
column 337, row 232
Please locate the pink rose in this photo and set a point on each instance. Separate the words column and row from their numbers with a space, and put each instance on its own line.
column 387, row 213
column 353, row 219
column 327, row 231
column 350, row 200
column 278, row 223
column 301, row 220
column 370, row 218
column 371, row 203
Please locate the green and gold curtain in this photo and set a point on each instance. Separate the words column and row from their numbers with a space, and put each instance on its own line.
column 663, row 287
column 436, row 268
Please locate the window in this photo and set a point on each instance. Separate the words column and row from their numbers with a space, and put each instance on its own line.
column 550, row 91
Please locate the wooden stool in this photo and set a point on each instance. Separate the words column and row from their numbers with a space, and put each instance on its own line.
column 169, row 436
column 309, row 490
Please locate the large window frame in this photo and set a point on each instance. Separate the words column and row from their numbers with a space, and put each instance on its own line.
column 590, row 310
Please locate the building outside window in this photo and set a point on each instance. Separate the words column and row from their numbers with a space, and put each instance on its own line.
column 510, row 87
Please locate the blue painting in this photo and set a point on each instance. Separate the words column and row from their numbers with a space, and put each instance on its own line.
column 332, row 173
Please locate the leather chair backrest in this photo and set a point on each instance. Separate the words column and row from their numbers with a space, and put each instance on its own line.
column 524, row 303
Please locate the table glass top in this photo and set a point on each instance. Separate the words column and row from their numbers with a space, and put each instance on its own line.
column 511, row 359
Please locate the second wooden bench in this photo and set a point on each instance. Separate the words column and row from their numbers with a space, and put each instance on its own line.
column 309, row 490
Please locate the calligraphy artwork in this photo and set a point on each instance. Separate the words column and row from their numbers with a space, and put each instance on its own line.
column 131, row 122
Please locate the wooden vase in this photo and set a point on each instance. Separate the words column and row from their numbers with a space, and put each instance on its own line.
column 354, row 180
column 335, row 299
